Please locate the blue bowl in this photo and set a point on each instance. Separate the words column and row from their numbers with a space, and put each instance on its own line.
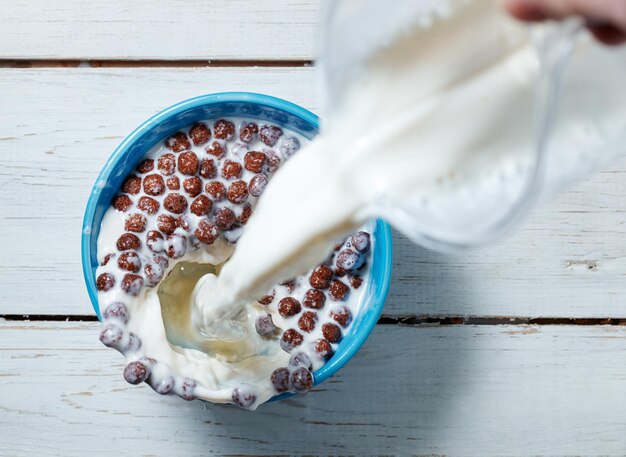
column 130, row 152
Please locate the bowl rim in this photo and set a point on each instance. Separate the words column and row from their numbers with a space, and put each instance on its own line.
column 383, row 237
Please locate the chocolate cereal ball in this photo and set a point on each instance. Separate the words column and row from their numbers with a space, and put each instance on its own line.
column 254, row 161
column 243, row 398
column 361, row 241
column 154, row 184
column 280, row 379
column 314, row 299
column 175, row 203
column 145, row 166
column 148, row 205
column 122, row 203
column 199, row 134
column 178, row 142
column 300, row 359
column 270, row 134
column 301, row 380
column 193, row 186
column 132, row 185
column 223, row 129
column 129, row 261
column 128, row 241
column 291, row 339
column 132, row 284
column 207, row 232
column 257, row 185
column 216, row 190
column 331, row 332
column 167, row 164
column 136, row 372
column 166, row 224
column 104, row 282
column 188, row 163
column 224, row 218
column 264, row 326
column 231, row 170
column 175, row 246
column 288, row 307
column 342, row 316
column 321, row 277
column 237, row 192
column 208, row 169
column 116, row 310
column 135, row 223
column 215, row 149
column 338, row 290
column 248, row 132
column 307, row 321
column 201, row 205
column 154, row 241
column 173, row 183
column 323, row 349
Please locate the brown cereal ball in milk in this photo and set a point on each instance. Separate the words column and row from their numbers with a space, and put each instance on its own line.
column 223, row 129
column 280, row 379
column 154, row 185
column 136, row 372
column 129, row 261
column 270, row 134
column 132, row 284
column 301, row 380
column 215, row 149
column 128, row 241
column 161, row 261
column 148, row 205
column 122, row 203
column 331, row 332
column 338, row 290
column 289, row 146
column 320, row 277
column 193, row 186
column 166, row 224
column 273, row 161
column 267, row 299
column 349, row 259
column 188, row 163
column 257, row 185
column 175, row 246
column 201, row 205
column 106, row 259
column 355, row 281
column 323, row 349
column 264, row 325
column 162, row 386
column 254, row 161
column 289, row 306
column 231, row 170
column 208, row 169
column 342, row 316
column 199, row 134
column 135, row 223
column 248, row 132
column 224, row 218
column 175, row 203
column 243, row 398
column 237, row 192
column 182, row 221
column 314, row 299
column 173, row 183
column 153, row 272
column 133, row 344
column 111, row 335
column 246, row 212
column 105, row 282
column 216, row 190
column 300, row 359
column 145, row 166
column 207, row 232
column 360, row 241
column 132, row 185
column 291, row 339
column 188, row 389
column 177, row 142
column 154, row 241
column 307, row 321
column 116, row 310
column 167, row 164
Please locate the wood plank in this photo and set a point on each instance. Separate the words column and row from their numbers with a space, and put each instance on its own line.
column 567, row 260
column 143, row 29
column 494, row 390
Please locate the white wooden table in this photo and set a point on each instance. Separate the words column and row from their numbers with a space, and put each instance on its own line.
column 517, row 348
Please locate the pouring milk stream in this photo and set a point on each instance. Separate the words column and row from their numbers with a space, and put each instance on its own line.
column 434, row 130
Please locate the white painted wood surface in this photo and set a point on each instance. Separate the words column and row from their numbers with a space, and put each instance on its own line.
column 171, row 30
column 59, row 126
column 484, row 391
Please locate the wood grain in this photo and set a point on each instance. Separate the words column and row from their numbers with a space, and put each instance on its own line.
column 59, row 125
column 495, row 390
column 143, row 29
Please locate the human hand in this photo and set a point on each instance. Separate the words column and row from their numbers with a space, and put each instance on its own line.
column 606, row 19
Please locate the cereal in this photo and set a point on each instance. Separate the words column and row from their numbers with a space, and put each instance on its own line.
column 314, row 299
column 290, row 284
column 199, row 134
column 338, row 290
column 248, row 132
column 175, row 203
column 153, row 272
column 331, row 332
column 321, row 276
column 132, row 284
column 193, row 186
column 116, row 310
column 355, row 281
column 301, row 380
column 129, row 261
column 300, row 359
column 243, row 398
column 163, row 386
column 128, row 241
column 201, row 205
column 178, row 142
column 224, row 218
column 291, row 339
column 148, row 205
column 132, row 185
column 280, row 379
column 136, row 372
column 154, row 185
column 215, row 149
column 188, row 389
column 273, row 161
column 246, row 212
column 349, row 259
column 237, row 192
column 188, row 163
column 270, row 134
column 175, row 246
column 107, row 258
column 154, row 241
column 207, row 232
column 340, row 272
column 231, row 170
column 361, row 241
column 167, row 164
column 135, row 223
column 208, row 169
column 223, row 129
column 182, row 221
column 323, row 348
column 216, row 190
column 111, row 335
column 289, row 146
column 122, row 203
column 267, row 299
column 254, row 161
column 257, row 185
column 166, row 224
column 264, row 326
column 342, row 316
column 289, row 306
column 173, row 183
column 105, row 282
column 133, row 344
column 307, row 321
column 146, row 166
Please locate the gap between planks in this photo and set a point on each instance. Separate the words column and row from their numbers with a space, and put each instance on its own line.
column 410, row 320
column 150, row 63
